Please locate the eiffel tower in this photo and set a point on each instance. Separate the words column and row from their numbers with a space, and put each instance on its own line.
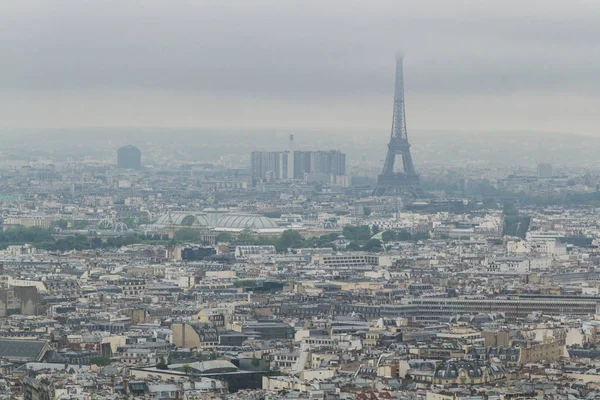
column 389, row 181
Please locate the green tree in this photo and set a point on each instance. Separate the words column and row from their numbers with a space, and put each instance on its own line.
column 289, row 239
column 224, row 237
column 403, row 236
column 61, row 223
column 162, row 364
column 322, row 241
column 188, row 235
column 509, row 209
column 272, row 214
column 367, row 211
column 375, row 229
column 388, row 236
column 76, row 242
column 489, row 202
column 245, row 236
column 22, row 235
column 357, row 233
column 373, row 245
column 96, row 243
column 420, row 236
column 353, row 246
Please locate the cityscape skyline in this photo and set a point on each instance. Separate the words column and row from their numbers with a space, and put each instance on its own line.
column 203, row 200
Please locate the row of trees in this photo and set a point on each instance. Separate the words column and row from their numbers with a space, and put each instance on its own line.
column 82, row 242
column 404, row 236
column 43, row 239
column 358, row 236
column 289, row 239
column 82, row 223
column 20, row 235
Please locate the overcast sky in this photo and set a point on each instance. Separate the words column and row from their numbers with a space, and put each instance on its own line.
column 479, row 65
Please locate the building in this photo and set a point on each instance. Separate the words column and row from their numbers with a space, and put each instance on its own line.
column 22, row 350
column 331, row 162
column 140, row 356
column 34, row 389
column 23, row 300
column 270, row 165
column 196, row 253
column 303, row 165
column 28, row 221
column 249, row 250
column 269, row 330
column 550, row 351
column 194, row 334
column 285, row 360
column 462, row 372
column 210, row 222
column 517, row 265
column 510, row 265
column 129, row 157
column 212, row 316
column 432, row 309
column 351, row 260
column 132, row 286
column 20, row 250
column 61, row 285
column 513, row 308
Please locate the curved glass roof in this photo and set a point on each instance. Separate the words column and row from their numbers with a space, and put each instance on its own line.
column 243, row 221
column 183, row 219
column 216, row 220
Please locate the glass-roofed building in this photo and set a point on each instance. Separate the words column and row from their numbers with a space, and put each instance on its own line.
column 216, row 221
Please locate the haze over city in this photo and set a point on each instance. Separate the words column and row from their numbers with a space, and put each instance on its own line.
column 471, row 66
column 299, row 200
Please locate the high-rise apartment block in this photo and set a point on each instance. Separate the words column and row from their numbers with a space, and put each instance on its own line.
column 270, row 165
column 330, row 162
column 302, row 165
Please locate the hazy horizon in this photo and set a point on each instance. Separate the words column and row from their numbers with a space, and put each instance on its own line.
column 316, row 65
column 515, row 149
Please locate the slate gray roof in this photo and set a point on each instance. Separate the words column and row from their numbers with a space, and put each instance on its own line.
column 22, row 350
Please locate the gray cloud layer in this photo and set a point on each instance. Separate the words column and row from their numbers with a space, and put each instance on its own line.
column 285, row 54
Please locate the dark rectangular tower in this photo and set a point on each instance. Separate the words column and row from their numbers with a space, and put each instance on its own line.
column 129, row 157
